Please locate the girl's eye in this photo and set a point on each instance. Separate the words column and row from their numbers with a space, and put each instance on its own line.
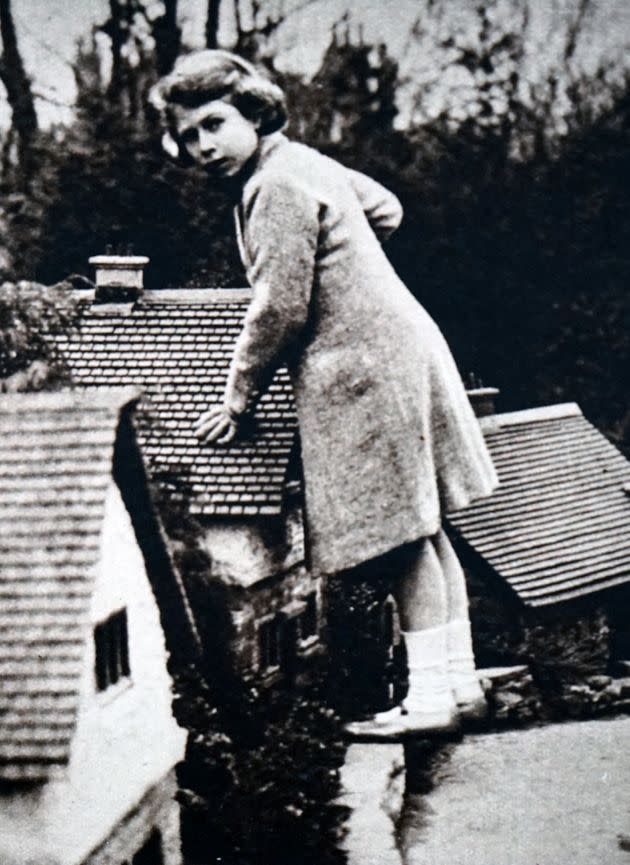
column 212, row 124
column 189, row 136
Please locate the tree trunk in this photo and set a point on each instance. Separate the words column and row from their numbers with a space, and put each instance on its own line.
column 19, row 93
column 167, row 37
column 212, row 23
column 115, row 29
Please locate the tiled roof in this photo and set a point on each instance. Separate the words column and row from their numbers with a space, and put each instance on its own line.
column 558, row 526
column 176, row 346
column 55, row 466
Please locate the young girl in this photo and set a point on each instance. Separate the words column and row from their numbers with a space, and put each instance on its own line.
column 388, row 437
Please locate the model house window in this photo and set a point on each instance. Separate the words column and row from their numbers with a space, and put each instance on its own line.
column 269, row 644
column 112, row 650
column 307, row 618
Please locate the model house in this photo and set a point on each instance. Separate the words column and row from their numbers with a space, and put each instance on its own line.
column 548, row 554
column 175, row 346
column 88, row 742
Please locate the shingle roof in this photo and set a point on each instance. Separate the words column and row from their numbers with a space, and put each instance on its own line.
column 176, row 346
column 55, row 466
column 558, row 526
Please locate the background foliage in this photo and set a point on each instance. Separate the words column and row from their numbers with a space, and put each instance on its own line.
column 517, row 217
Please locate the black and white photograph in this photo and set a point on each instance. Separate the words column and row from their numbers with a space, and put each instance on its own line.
column 314, row 432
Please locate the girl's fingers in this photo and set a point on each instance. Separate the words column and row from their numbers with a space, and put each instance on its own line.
column 215, row 425
column 215, row 412
column 212, row 429
column 229, row 435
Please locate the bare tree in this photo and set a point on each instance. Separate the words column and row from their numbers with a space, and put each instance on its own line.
column 212, row 23
column 134, row 58
column 117, row 28
column 575, row 29
column 19, row 91
column 167, row 37
column 255, row 28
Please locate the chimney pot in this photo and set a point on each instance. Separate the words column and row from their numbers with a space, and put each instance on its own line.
column 119, row 278
column 482, row 400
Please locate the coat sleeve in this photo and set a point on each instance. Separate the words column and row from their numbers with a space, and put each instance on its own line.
column 383, row 210
column 280, row 231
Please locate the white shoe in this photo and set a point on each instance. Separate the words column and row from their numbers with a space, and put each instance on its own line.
column 429, row 707
column 399, row 722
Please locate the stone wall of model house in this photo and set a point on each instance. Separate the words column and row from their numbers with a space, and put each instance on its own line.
column 137, row 708
column 276, row 603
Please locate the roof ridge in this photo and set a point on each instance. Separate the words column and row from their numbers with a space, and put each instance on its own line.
column 194, row 295
column 99, row 398
column 494, row 422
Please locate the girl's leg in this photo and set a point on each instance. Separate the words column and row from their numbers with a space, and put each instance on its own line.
column 454, row 579
column 420, row 593
column 422, row 599
column 420, row 589
column 461, row 662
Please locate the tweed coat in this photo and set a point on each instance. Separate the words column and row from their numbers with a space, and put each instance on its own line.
column 387, row 433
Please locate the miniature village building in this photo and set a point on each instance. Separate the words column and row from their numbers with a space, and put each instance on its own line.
column 548, row 554
column 175, row 346
column 88, row 742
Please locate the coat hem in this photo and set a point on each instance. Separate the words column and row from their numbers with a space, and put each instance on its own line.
column 366, row 554
column 353, row 558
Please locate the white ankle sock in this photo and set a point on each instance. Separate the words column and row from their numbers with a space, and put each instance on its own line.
column 461, row 660
column 429, row 687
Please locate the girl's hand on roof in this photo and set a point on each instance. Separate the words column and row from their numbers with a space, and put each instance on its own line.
column 217, row 425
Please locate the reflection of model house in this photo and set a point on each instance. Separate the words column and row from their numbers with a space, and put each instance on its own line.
column 88, row 742
column 550, row 549
column 175, row 346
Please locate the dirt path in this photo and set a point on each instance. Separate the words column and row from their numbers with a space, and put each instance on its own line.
column 555, row 795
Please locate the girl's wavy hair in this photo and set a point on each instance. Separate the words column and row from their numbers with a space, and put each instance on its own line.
column 204, row 76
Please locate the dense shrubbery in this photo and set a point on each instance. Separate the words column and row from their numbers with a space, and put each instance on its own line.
column 522, row 259
column 29, row 314
column 260, row 787
column 516, row 242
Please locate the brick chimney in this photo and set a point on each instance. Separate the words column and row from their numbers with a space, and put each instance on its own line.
column 481, row 398
column 119, row 278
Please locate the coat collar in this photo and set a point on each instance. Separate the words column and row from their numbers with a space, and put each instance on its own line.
column 269, row 145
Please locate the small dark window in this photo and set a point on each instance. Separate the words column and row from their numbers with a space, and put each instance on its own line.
column 151, row 852
column 269, row 643
column 308, row 618
column 112, row 650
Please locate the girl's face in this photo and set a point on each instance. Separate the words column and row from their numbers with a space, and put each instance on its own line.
column 217, row 136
